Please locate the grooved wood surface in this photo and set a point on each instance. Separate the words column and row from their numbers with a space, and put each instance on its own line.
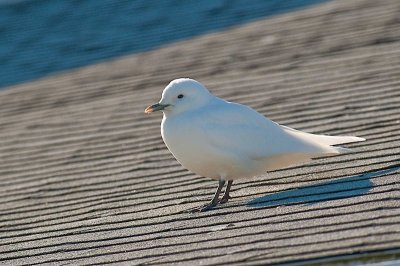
column 86, row 179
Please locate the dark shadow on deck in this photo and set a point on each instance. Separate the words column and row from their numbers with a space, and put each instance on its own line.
column 341, row 188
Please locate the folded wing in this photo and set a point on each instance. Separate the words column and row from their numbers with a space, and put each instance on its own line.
column 241, row 130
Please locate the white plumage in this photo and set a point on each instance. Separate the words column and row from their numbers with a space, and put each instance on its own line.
column 227, row 141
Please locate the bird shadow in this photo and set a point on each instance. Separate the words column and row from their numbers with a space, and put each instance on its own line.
column 346, row 187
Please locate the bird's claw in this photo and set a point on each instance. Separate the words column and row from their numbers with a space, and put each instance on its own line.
column 202, row 208
column 225, row 199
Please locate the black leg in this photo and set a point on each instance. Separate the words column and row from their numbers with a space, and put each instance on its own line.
column 213, row 202
column 226, row 196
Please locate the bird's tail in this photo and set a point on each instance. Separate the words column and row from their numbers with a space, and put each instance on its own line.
column 324, row 140
column 335, row 140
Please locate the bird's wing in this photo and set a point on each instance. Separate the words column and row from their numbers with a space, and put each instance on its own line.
column 239, row 129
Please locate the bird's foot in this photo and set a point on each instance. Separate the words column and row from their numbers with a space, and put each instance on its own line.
column 202, row 208
column 225, row 199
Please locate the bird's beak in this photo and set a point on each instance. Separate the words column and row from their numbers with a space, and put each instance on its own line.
column 155, row 107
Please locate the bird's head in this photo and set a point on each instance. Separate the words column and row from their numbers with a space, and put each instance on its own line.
column 181, row 95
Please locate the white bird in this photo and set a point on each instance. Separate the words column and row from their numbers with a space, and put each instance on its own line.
column 226, row 141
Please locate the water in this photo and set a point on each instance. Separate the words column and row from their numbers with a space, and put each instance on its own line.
column 41, row 37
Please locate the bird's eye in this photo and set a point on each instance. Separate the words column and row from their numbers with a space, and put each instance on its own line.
column 180, row 96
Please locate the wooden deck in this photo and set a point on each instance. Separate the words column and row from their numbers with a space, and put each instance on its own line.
column 86, row 179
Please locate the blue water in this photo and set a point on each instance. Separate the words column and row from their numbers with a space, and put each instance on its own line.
column 39, row 37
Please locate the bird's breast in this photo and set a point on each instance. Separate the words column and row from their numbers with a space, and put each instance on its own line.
column 189, row 144
column 190, row 147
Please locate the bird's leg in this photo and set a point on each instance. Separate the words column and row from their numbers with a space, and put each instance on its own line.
column 213, row 202
column 226, row 196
